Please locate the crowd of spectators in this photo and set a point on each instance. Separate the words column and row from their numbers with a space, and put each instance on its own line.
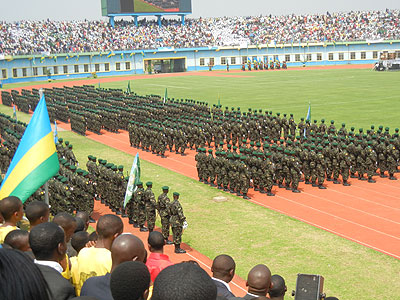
column 33, row 37
column 58, row 259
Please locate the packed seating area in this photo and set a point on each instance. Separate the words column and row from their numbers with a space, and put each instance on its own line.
column 34, row 37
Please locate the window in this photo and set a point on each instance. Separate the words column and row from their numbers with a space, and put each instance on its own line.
column 76, row 68
column 375, row 54
column 276, row 57
column 223, row 60
column 265, row 58
column 309, row 57
column 244, row 59
column 55, row 70
column 287, row 57
column 4, row 73
column 297, row 57
column 44, row 70
column 352, row 55
column 128, row 65
column 65, row 69
column 97, row 67
column 86, row 68
column 363, row 55
column 330, row 56
column 35, row 71
column 233, row 60
column 106, row 67
column 15, row 73
column 202, row 62
column 24, row 72
column 319, row 56
column 211, row 61
column 117, row 66
column 341, row 56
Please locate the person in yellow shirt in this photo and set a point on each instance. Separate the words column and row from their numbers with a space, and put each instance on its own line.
column 96, row 261
column 12, row 211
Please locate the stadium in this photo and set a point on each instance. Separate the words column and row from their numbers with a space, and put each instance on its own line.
column 274, row 138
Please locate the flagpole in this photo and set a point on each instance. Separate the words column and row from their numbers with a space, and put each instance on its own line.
column 46, row 192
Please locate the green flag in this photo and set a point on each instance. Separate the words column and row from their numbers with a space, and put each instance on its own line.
column 128, row 90
column 134, row 178
column 165, row 95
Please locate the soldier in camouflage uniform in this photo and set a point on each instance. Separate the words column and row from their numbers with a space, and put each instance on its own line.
column 163, row 210
column 150, row 203
column 177, row 220
column 344, row 164
column 141, row 206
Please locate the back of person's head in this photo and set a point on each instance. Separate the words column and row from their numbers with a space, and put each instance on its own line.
column 109, row 227
column 84, row 216
column 259, row 280
column 67, row 222
column 93, row 236
column 184, row 281
column 11, row 208
column 223, row 267
column 37, row 212
column 18, row 239
column 278, row 288
column 156, row 241
column 47, row 241
column 79, row 240
column 130, row 281
column 20, row 278
column 80, row 225
column 127, row 247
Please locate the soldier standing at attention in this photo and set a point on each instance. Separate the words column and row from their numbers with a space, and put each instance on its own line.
column 150, row 203
column 141, row 207
column 178, row 222
column 163, row 211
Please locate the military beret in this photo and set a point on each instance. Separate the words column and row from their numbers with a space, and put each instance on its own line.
column 66, row 142
column 90, row 157
column 372, row 126
column 79, row 171
column 210, row 151
column 148, row 183
column 64, row 180
column 139, row 183
column 60, row 140
column 387, row 129
column 332, row 121
column 85, row 173
column 72, row 167
column 176, row 194
column 114, row 167
column 94, row 157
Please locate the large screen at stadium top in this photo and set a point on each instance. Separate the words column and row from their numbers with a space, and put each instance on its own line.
column 145, row 6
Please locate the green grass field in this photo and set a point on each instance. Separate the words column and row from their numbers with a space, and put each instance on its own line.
column 141, row 6
column 253, row 234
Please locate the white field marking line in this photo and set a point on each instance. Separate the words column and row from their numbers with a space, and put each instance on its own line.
column 173, row 86
column 377, row 203
column 396, row 187
column 326, row 229
column 343, row 219
column 210, row 269
column 356, row 209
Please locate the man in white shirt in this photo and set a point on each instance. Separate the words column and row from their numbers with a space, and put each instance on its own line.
column 223, row 269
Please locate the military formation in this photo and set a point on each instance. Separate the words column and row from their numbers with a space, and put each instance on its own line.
column 261, row 65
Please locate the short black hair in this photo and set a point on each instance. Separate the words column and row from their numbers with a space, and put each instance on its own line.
column 64, row 219
column 93, row 237
column 278, row 286
column 44, row 239
column 184, row 281
column 8, row 206
column 156, row 240
column 129, row 280
column 35, row 210
column 108, row 225
column 79, row 240
column 17, row 268
column 13, row 238
column 80, row 224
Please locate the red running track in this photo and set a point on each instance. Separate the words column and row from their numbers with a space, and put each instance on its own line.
column 366, row 213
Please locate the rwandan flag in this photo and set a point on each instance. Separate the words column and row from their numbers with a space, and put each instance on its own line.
column 35, row 160
column 308, row 116
column 134, row 178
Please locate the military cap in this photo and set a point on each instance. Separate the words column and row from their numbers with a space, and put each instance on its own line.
column 60, row 140
column 94, row 158
column 387, row 129
column 114, row 167
column 139, row 183
column 176, row 194
column 85, row 173
column 64, row 180
column 149, row 183
column 67, row 164
column 332, row 121
column 323, row 120
column 108, row 165
column 210, row 151
column 120, row 167
column 372, row 126
column 90, row 157
column 69, row 146
column 72, row 167
column 343, row 124
column 66, row 143
column 79, row 171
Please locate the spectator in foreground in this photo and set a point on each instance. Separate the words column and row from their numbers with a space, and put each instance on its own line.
column 18, row 239
column 84, row 216
column 157, row 260
column 223, row 269
column 96, row 261
column 126, row 247
column 78, row 242
column 258, row 282
column 17, row 268
column 12, row 211
column 130, row 281
column 48, row 244
column 184, row 281
column 278, row 289
column 37, row 212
